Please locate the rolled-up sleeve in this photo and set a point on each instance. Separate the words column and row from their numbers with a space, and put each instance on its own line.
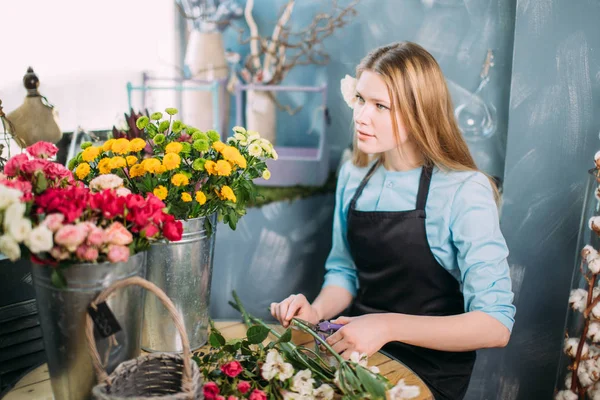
column 481, row 251
column 340, row 268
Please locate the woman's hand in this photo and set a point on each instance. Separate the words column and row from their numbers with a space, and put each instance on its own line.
column 365, row 334
column 294, row 306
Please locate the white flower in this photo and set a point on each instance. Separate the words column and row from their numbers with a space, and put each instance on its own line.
column 323, row 392
column 348, row 88
column 252, row 136
column 578, row 299
column 593, row 391
column 255, row 150
column 596, row 311
column 594, row 223
column 274, row 154
column 571, row 345
column 403, row 391
column 13, row 214
column 594, row 265
column 9, row 247
column 231, row 140
column 597, row 156
column 566, row 395
column 107, row 181
column 593, row 332
column 588, row 252
column 374, row 369
column 360, row 359
column 20, row 229
column 266, row 145
column 9, row 196
column 597, row 194
column 239, row 130
column 239, row 136
column 588, row 372
column 303, row 382
column 568, row 379
column 40, row 239
column 275, row 367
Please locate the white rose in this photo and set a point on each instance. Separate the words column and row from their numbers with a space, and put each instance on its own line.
column 348, row 88
column 9, row 196
column 40, row 239
column 107, row 181
column 20, row 229
column 9, row 247
column 303, row 382
column 323, row 392
column 403, row 391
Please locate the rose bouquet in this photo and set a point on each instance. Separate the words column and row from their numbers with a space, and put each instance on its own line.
column 193, row 172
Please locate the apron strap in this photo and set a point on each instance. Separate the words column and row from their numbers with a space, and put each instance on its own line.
column 424, row 183
column 362, row 185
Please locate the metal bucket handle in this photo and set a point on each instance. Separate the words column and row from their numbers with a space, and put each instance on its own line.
column 187, row 383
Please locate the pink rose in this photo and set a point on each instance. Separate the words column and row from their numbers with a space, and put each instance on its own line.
column 211, row 390
column 150, row 230
column 87, row 253
column 232, row 369
column 258, row 395
column 243, row 386
column 31, row 166
column 57, row 171
column 42, row 150
column 54, row 221
column 116, row 233
column 70, row 236
column 219, row 397
column 118, row 253
column 59, row 253
column 13, row 166
column 96, row 236
column 232, row 398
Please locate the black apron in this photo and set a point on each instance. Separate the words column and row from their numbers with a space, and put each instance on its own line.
column 398, row 273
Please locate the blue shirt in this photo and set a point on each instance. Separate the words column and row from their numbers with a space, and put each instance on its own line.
column 462, row 226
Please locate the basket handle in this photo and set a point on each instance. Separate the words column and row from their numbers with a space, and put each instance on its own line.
column 187, row 383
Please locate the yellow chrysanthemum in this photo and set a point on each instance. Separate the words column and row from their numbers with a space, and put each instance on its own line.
column 161, row 192
column 121, row 146
column 151, row 164
column 137, row 170
column 104, row 166
column 226, row 193
column 219, row 146
column 117, row 162
column 223, row 168
column 131, row 160
column 160, row 169
column 266, row 174
column 90, row 154
column 171, row 161
column 240, row 161
column 210, row 167
column 200, row 198
column 82, row 170
column 174, row 147
column 108, row 144
column 179, row 180
column 137, row 144
column 230, row 153
column 186, row 197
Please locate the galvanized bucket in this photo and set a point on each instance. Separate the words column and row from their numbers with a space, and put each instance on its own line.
column 62, row 315
column 183, row 270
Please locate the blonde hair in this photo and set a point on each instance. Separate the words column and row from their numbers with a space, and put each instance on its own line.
column 420, row 97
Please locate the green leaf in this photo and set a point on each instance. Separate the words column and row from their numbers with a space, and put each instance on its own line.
column 41, row 183
column 58, row 279
column 286, row 337
column 256, row 334
column 216, row 340
column 370, row 383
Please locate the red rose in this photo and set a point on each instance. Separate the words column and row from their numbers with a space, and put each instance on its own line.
column 232, row 369
column 42, row 150
column 150, row 230
column 173, row 230
column 243, row 386
column 135, row 201
column 211, row 391
column 257, row 395
column 13, row 166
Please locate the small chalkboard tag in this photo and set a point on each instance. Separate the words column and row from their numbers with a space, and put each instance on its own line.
column 104, row 320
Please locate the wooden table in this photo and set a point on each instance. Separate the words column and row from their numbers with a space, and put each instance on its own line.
column 36, row 384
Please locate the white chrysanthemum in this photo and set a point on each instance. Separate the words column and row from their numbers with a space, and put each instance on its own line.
column 231, row 140
column 594, row 223
column 266, row 145
column 239, row 130
column 20, row 229
column 323, row 392
column 9, row 196
column 303, row 382
column 107, row 181
column 588, row 372
column 566, row 395
column 253, row 136
column 255, row 150
column 577, row 299
column 348, row 88
column 403, row 391
column 274, row 154
column 40, row 239
column 9, row 247
column 360, row 359
column 570, row 347
column 239, row 137
column 275, row 367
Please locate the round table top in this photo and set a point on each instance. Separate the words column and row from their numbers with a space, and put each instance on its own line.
column 36, row 384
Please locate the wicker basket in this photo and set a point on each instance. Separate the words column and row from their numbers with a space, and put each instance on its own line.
column 155, row 376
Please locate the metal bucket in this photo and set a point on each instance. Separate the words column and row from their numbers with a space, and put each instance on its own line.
column 62, row 316
column 183, row 270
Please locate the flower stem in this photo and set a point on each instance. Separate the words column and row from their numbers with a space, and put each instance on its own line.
column 574, row 380
column 318, row 339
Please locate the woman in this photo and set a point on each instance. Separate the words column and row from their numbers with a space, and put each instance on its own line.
column 418, row 258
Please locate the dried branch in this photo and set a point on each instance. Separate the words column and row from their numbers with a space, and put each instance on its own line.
column 254, row 36
column 276, row 32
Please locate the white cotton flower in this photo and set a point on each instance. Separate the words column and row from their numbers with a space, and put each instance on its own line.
column 594, row 223
column 40, row 239
column 255, row 150
column 596, row 311
column 593, row 332
column 593, row 391
column 597, row 193
column 578, row 299
column 9, row 247
column 9, row 196
column 566, row 395
column 571, row 345
column 360, row 359
column 303, row 382
column 348, row 88
column 568, row 379
column 323, row 392
column 20, row 229
column 403, row 391
column 588, row 372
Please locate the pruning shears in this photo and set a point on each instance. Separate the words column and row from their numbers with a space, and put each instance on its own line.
column 323, row 329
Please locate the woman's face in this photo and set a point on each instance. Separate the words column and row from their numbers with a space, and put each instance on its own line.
column 373, row 118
